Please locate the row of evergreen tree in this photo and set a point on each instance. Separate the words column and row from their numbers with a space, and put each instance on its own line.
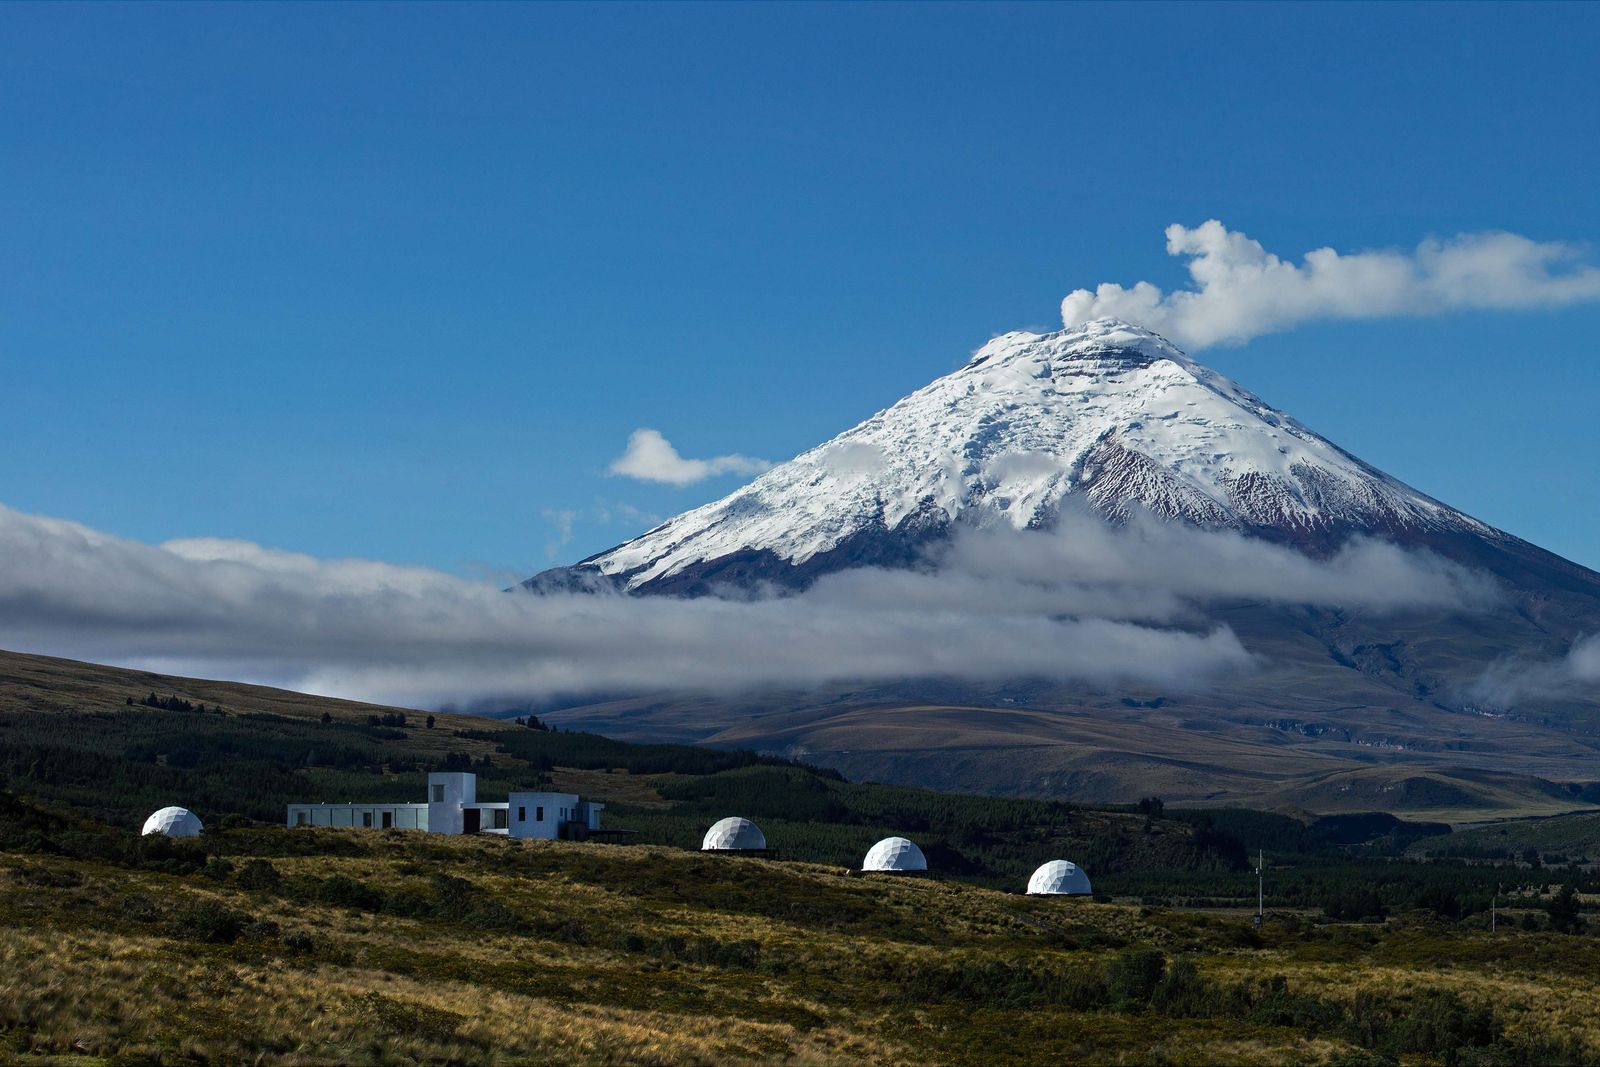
column 173, row 703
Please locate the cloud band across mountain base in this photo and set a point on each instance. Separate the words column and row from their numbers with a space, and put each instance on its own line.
column 1242, row 291
column 380, row 632
column 1154, row 572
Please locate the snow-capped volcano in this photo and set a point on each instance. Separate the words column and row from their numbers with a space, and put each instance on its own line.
column 1106, row 414
column 1111, row 419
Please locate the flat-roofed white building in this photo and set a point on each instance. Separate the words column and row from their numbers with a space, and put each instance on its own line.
column 361, row 816
column 552, row 815
column 453, row 807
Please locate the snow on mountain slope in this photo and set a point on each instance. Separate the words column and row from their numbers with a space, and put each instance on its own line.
column 1107, row 413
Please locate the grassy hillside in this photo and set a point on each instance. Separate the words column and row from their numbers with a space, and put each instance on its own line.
column 272, row 945
column 69, row 737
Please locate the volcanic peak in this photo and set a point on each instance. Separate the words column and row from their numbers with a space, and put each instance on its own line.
column 1107, row 414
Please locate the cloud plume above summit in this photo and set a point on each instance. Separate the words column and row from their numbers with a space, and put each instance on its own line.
column 1240, row 290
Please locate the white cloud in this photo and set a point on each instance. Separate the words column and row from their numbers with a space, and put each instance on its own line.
column 1148, row 557
column 1155, row 572
column 1242, row 291
column 409, row 635
column 1511, row 681
column 620, row 511
column 562, row 521
column 1583, row 661
column 650, row 457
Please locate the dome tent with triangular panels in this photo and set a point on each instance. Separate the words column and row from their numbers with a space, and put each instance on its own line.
column 172, row 822
column 734, row 834
column 1059, row 878
column 895, row 855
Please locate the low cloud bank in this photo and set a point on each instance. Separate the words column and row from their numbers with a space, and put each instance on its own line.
column 1509, row 682
column 1242, row 291
column 650, row 457
column 381, row 632
column 1086, row 603
column 1157, row 572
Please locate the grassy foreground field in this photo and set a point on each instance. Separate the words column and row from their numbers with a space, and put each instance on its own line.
column 271, row 945
column 255, row 943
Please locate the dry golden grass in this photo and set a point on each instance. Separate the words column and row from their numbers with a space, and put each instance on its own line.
column 103, row 993
column 592, row 959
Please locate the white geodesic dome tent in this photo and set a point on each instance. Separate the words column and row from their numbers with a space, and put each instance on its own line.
column 1059, row 878
column 734, row 834
column 173, row 822
column 895, row 854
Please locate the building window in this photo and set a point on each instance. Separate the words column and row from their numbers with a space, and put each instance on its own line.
column 522, row 814
column 366, row 819
column 538, row 814
column 498, row 818
column 438, row 794
column 299, row 818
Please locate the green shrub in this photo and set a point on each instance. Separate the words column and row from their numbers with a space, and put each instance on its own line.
column 139, row 908
column 1562, row 908
column 208, row 922
column 1182, row 993
column 1271, row 1003
column 1132, row 977
column 407, row 1019
column 1550, row 1048
column 258, row 874
column 1362, row 1058
column 1440, row 1022
column 259, row 930
column 346, row 892
column 408, row 901
column 49, row 877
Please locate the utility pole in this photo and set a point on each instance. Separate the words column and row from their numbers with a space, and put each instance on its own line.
column 1261, row 887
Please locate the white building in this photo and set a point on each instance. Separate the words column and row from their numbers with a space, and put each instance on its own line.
column 734, row 834
column 453, row 808
column 172, row 822
column 895, row 854
column 1059, row 878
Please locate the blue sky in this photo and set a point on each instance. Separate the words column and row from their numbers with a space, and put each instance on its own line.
column 398, row 282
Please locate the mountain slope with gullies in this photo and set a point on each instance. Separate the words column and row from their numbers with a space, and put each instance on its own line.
column 1349, row 706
